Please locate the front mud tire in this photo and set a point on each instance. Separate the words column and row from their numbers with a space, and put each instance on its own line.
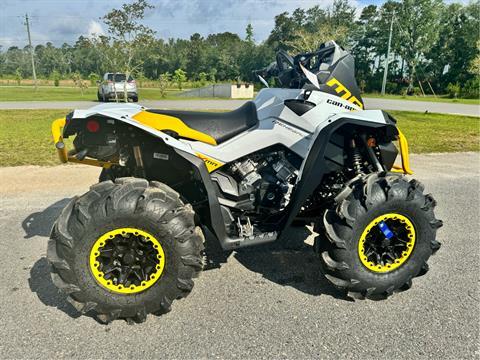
column 128, row 202
column 355, row 208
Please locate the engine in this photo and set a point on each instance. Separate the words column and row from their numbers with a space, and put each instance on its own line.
column 258, row 185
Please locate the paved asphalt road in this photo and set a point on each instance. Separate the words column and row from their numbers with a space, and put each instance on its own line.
column 260, row 304
column 371, row 103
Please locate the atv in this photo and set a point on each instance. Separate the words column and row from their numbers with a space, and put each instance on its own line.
column 304, row 153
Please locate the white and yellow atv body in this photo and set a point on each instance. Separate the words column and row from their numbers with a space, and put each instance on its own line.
column 308, row 152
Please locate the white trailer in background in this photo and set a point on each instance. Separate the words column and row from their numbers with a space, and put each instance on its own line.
column 228, row 91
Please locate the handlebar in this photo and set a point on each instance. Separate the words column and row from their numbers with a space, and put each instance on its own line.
column 287, row 68
column 267, row 71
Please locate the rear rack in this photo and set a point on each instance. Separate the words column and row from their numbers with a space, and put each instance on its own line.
column 66, row 156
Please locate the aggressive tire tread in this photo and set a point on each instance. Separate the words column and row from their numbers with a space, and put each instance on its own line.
column 127, row 197
column 359, row 198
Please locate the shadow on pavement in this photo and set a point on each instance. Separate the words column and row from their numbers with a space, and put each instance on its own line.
column 299, row 269
column 40, row 223
column 41, row 283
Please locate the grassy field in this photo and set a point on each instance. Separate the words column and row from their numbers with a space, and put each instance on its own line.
column 25, row 137
column 427, row 133
column 51, row 93
column 428, row 98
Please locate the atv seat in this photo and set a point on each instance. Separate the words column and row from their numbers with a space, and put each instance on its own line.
column 220, row 126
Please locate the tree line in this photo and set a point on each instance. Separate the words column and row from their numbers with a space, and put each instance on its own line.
column 435, row 47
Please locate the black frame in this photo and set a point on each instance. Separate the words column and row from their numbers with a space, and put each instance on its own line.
column 313, row 171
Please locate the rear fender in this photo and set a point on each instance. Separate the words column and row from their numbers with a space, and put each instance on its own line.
column 183, row 160
column 114, row 114
column 124, row 113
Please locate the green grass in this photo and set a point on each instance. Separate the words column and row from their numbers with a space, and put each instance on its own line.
column 50, row 93
column 428, row 98
column 28, row 93
column 25, row 137
column 427, row 133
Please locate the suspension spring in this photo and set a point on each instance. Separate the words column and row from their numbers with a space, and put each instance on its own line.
column 357, row 159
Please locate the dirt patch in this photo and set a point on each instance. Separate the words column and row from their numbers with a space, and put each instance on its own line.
column 20, row 179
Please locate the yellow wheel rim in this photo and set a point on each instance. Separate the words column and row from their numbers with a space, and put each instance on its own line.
column 381, row 255
column 127, row 260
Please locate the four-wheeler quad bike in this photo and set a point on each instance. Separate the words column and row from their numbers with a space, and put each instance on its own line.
column 304, row 152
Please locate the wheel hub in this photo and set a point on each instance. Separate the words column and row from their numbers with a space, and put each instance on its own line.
column 127, row 260
column 386, row 243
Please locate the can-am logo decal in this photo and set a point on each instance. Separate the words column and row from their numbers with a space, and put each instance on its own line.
column 339, row 104
column 347, row 95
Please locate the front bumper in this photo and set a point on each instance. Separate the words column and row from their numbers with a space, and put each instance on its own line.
column 120, row 94
column 404, row 155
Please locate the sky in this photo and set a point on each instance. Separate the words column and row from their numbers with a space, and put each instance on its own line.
column 60, row 21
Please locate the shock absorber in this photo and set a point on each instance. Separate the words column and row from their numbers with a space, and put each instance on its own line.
column 356, row 158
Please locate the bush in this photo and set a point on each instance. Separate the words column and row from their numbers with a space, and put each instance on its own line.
column 163, row 82
column 391, row 87
column 453, row 90
column 180, row 76
column 56, row 78
column 471, row 90
column 141, row 79
column 18, row 76
column 212, row 75
column 417, row 91
column 373, row 84
column 414, row 91
column 363, row 85
column 93, row 79
column 202, row 78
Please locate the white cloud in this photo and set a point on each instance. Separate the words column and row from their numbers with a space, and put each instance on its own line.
column 64, row 21
column 95, row 29
column 7, row 41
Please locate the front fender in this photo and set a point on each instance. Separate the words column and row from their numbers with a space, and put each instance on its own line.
column 315, row 165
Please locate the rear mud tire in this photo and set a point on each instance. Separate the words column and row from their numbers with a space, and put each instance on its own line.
column 106, row 175
column 112, row 173
column 357, row 206
column 127, row 202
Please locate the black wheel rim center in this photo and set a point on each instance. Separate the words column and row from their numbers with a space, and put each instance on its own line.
column 128, row 259
column 383, row 251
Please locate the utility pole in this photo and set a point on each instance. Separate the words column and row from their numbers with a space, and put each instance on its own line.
column 385, row 72
column 31, row 52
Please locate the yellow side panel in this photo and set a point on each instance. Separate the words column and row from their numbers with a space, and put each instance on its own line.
column 210, row 163
column 166, row 122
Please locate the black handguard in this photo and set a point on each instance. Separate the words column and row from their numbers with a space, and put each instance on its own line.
column 267, row 72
